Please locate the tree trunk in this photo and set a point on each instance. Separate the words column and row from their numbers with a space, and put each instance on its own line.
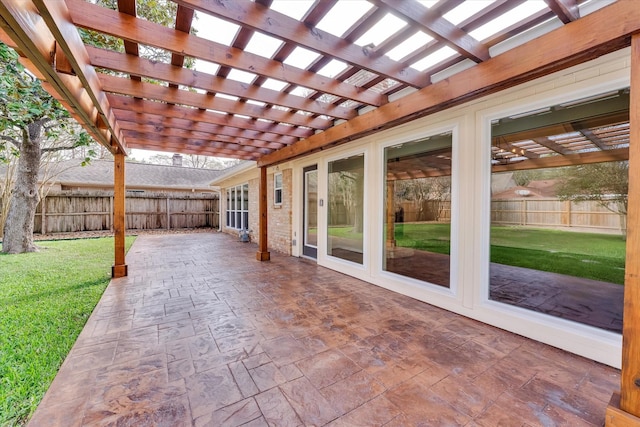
column 358, row 223
column 18, row 229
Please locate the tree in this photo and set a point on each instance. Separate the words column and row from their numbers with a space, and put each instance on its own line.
column 8, row 161
column 606, row 183
column 32, row 122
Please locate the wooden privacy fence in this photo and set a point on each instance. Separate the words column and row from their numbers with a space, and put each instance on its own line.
column 60, row 213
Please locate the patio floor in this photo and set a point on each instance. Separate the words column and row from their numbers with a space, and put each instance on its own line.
column 202, row 334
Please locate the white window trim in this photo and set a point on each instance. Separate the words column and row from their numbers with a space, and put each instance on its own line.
column 276, row 188
column 242, row 210
column 594, row 343
column 393, row 281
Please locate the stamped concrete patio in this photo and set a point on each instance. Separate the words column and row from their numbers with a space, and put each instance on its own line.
column 202, row 334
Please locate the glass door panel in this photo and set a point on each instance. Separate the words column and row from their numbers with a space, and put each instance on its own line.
column 346, row 208
column 310, row 197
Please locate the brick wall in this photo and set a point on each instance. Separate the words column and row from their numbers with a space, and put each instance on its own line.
column 279, row 226
column 279, row 217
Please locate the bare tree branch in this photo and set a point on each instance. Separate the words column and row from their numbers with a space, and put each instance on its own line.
column 59, row 148
column 11, row 140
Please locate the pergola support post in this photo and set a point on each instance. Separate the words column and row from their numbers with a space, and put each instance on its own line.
column 263, row 253
column 119, row 268
column 624, row 409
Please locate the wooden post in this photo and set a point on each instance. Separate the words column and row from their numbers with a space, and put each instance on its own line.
column 565, row 216
column 168, row 215
column 111, row 213
column 624, row 410
column 119, row 268
column 263, row 253
column 43, row 226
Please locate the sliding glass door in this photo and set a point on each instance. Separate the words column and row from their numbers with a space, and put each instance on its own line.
column 345, row 208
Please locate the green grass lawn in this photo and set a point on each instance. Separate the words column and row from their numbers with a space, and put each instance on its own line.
column 345, row 232
column 45, row 299
column 587, row 255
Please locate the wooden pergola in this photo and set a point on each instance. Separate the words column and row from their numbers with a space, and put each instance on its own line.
column 126, row 101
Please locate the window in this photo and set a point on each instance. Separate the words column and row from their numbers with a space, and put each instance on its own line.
column 417, row 224
column 559, row 188
column 277, row 189
column 238, row 207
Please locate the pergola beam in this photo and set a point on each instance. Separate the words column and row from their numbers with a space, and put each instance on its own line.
column 128, row 121
column 139, row 139
column 184, row 19
column 566, row 10
column 125, row 105
column 120, row 25
column 56, row 15
column 174, row 75
column 534, row 59
column 438, row 27
column 164, row 132
column 198, row 149
column 195, row 142
column 265, row 20
column 145, row 90
column 22, row 22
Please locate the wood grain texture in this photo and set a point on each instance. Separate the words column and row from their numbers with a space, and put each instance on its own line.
column 176, row 96
column 182, row 76
column 129, row 107
column 592, row 36
column 119, row 266
column 263, row 253
column 630, row 392
column 268, row 21
column 129, row 28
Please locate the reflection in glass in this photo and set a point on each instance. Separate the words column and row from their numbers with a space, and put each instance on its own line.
column 311, row 208
column 237, row 215
column 245, row 207
column 345, row 208
column 418, row 209
column 557, row 227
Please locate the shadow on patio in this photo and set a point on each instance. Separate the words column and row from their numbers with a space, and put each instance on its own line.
column 201, row 334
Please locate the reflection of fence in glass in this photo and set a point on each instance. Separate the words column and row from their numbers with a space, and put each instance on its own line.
column 346, row 208
column 556, row 213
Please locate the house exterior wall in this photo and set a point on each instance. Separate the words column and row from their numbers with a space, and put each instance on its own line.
column 470, row 125
column 279, row 216
column 254, row 209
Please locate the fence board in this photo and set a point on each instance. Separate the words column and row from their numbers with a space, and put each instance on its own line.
column 91, row 211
